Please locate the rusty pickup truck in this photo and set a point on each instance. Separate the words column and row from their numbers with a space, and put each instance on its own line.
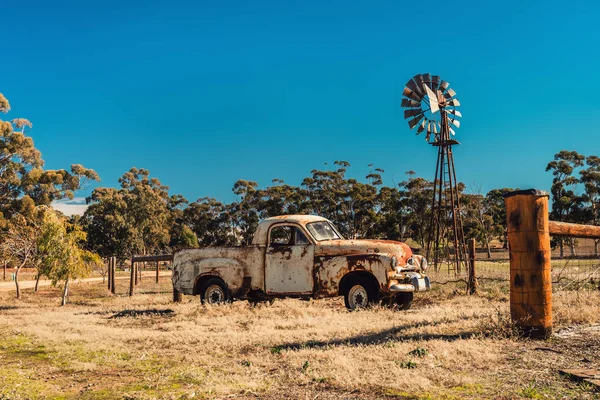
column 302, row 256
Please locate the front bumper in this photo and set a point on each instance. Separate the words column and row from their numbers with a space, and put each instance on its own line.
column 418, row 283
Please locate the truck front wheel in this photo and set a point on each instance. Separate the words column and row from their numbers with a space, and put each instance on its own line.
column 214, row 291
column 404, row 300
column 360, row 295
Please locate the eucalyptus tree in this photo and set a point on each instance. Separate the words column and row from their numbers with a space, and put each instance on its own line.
column 135, row 219
column 566, row 203
column 21, row 168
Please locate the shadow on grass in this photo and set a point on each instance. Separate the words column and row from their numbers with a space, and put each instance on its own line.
column 141, row 313
column 394, row 334
column 5, row 308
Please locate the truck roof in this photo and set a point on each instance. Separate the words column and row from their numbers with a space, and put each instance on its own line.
column 260, row 237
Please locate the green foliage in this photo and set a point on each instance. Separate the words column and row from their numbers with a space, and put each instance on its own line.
column 407, row 364
column 62, row 258
column 135, row 219
column 21, row 169
column 419, row 352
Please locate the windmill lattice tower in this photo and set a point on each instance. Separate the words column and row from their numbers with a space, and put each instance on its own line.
column 431, row 106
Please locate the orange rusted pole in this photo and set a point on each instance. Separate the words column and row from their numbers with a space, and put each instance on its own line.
column 530, row 270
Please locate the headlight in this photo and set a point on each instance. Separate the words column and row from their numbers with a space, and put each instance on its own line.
column 424, row 265
column 394, row 262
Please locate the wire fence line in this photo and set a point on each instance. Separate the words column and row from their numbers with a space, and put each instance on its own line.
column 578, row 269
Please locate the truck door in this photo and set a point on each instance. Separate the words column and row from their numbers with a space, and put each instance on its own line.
column 289, row 261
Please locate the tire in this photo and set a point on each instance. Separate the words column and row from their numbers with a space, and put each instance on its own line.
column 360, row 294
column 403, row 300
column 214, row 291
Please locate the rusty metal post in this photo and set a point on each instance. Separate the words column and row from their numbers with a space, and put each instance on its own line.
column 132, row 278
column 157, row 271
column 472, row 277
column 530, row 269
column 137, row 270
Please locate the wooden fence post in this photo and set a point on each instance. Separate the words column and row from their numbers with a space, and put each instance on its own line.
column 108, row 260
column 157, row 271
column 132, row 278
column 113, row 270
column 472, row 277
column 530, row 269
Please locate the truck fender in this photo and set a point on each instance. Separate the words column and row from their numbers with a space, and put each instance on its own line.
column 329, row 271
column 230, row 271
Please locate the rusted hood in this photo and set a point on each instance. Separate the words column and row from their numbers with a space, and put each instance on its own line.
column 343, row 247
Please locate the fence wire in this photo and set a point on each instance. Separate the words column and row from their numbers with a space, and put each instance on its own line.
column 574, row 269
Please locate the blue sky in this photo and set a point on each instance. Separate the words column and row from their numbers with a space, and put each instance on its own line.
column 205, row 93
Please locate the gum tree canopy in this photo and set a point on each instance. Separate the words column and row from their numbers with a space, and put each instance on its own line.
column 22, row 176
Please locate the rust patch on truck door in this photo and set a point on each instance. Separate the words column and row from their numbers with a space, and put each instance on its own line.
column 288, row 269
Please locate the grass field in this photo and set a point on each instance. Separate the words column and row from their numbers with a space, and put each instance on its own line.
column 448, row 346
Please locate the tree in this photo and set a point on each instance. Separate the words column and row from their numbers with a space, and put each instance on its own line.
column 566, row 203
column 20, row 242
column 21, row 169
column 135, row 219
column 63, row 258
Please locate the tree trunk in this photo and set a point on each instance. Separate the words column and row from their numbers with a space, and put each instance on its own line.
column 487, row 245
column 65, row 293
column 37, row 282
column 4, row 277
column 17, row 282
column 596, row 241
column 562, row 248
column 572, row 248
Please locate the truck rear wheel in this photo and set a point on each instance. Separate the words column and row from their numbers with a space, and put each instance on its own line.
column 214, row 291
column 360, row 295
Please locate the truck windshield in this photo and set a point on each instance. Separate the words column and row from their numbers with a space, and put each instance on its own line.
column 322, row 231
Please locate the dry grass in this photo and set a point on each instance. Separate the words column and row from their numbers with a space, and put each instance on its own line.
column 448, row 346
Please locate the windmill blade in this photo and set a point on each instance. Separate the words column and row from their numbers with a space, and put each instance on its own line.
column 419, row 81
column 454, row 102
column 412, row 113
column 410, row 94
column 433, row 101
column 412, row 85
column 427, row 79
column 450, row 93
column 455, row 123
column 452, row 131
column 420, row 129
column 435, row 82
column 455, row 112
column 413, row 122
column 427, row 136
column 407, row 103
column 444, row 85
column 435, row 130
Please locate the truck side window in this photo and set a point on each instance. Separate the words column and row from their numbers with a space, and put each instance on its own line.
column 281, row 236
column 301, row 237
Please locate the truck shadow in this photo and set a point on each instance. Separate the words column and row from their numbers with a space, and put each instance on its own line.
column 394, row 334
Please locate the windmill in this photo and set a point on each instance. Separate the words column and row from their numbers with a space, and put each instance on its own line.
column 431, row 107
